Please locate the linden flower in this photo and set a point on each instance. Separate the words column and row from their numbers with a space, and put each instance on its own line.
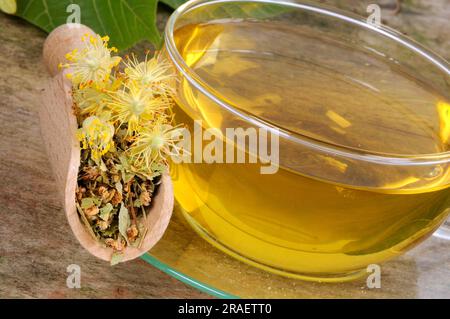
column 135, row 105
column 156, row 74
column 97, row 135
column 94, row 100
column 154, row 144
column 93, row 63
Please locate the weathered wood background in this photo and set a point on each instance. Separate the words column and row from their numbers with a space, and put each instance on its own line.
column 36, row 242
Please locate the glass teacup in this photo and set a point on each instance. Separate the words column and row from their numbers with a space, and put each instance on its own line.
column 353, row 119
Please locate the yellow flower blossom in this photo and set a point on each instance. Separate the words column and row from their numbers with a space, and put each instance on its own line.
column 93, row 63
column 135, row 105
column 154, row 144
column 94, row 100
column 139, row 98
column 156, row 74
column 97, row 135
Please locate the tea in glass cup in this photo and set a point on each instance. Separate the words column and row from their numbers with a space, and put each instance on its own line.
column 363, row 122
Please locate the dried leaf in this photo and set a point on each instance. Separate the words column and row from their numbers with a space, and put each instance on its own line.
column 86, row 222
column 110, row 231
column 116, row 258
column 87, row 202
column 119, row 187
column 128, row 177
column 103, row 167
column 105, row 212
column 97, row 201
column 124, row 221
column 124, row 161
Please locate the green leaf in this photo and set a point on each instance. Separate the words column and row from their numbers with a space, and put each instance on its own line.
column 174, row 3
column 124, row 221
column 106, row 211
column 126, row 22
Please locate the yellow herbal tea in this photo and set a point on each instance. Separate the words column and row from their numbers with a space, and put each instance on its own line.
column 310, row 85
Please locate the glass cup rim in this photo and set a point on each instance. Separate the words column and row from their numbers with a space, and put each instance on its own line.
column 349, row 152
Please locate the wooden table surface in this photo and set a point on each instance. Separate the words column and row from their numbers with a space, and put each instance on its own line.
column 36, row 242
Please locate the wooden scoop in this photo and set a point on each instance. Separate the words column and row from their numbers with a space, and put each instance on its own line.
column 58, row 128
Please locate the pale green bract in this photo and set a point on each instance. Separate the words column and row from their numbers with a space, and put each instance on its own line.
column 105, row 211
column 124, row 221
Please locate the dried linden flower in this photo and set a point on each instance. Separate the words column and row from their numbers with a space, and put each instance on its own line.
column 145, row 198
column 91, row 211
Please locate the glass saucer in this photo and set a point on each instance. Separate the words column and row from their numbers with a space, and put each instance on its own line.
column 424, row 272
